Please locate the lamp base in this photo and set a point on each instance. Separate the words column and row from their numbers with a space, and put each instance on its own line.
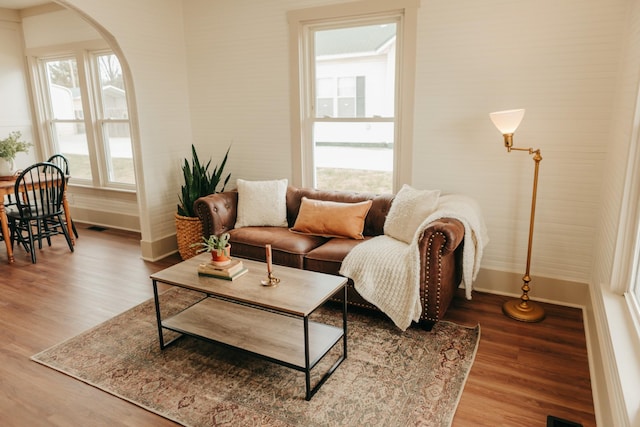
column 524, row 312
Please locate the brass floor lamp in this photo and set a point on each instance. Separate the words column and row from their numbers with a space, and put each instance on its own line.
column 523, row 309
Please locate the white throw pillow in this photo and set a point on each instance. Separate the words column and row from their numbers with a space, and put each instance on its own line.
column 262, row 203
column 409, row 209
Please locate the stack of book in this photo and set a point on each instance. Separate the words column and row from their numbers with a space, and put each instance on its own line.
column 231, row 271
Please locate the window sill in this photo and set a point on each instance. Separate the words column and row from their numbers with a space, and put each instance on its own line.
column 90, row 188
column 625, row 351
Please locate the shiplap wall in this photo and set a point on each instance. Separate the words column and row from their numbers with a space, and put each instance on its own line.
column 225, row 80
column 557, row 59
column 624, row 125
column 60, row 31
column 150, row 36
column 615, row 365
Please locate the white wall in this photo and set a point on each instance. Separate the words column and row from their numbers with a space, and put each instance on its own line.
column 56, row 28
column 15, row 113
column 219, row 75
column 150, row 36
column 616, row 365
column 558, row 60
column 239, row 86
column 47, row 33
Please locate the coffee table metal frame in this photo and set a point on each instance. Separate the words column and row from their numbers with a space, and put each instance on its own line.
column 235, row 322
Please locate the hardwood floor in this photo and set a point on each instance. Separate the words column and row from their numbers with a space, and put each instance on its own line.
column 522, row 372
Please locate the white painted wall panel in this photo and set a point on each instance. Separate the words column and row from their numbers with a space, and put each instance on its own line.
column 56, row 28
column 617, row 371
column 14, row 108
column 559, row 61
column 150, row 34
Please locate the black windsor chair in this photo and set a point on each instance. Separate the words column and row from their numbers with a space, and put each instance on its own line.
column 39, row 213
column 62, row 162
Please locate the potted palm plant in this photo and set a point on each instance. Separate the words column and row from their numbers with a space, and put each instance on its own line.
column 199, row 181
column 9, row 148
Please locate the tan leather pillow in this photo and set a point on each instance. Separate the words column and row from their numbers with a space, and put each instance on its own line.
column 332, row 219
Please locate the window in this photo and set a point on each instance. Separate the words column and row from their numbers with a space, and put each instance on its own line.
column 345, row 96
column 352, row 95
column 87, row 117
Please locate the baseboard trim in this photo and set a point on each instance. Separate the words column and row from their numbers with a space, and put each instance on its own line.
column 117, row 220
column 543, row 289
column 156, row 250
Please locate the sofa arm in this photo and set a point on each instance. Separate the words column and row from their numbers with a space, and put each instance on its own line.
column 452, row 230
column 440, row 266
column 217, row 212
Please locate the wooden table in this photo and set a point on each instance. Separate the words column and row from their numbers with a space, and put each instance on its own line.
column 268, row 322
column 6, row 189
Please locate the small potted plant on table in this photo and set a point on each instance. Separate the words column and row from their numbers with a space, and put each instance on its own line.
column 218, row 246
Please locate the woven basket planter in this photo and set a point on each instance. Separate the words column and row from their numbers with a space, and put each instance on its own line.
column 188, row 232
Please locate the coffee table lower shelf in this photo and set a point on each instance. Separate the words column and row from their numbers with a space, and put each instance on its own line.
column 291, row 341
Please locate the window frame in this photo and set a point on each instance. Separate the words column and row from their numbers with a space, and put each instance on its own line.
column 625, row 276
column 631, row 287
column 85, row 55
column 405, row 11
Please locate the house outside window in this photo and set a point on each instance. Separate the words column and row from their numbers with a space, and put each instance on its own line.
column 86, row 116
column 353, row 96
column 340, row 97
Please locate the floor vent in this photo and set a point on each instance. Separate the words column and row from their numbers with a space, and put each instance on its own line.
column 559, row 422
column 96, row 228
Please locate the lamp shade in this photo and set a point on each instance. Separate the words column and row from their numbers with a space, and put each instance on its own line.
column 507, row 121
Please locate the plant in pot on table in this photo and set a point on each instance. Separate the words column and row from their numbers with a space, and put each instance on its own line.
column 219, row 248
column 198, row 182
column 9, row 148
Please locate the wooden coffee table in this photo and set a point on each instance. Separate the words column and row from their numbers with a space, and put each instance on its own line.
column 268, row 322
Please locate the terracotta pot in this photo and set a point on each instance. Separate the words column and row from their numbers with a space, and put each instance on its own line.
column 222, row 257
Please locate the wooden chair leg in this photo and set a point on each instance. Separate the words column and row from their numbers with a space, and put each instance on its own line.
column 65, row 231
column 32, row 244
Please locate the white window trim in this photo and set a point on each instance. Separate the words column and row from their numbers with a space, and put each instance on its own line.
column 298, row 21
column 616, row 308
column 88, row 49
column 626, row 264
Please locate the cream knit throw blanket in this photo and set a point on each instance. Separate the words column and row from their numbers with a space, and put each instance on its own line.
column 386, row 271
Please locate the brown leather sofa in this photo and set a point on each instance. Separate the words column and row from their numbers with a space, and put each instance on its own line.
column 440, row 245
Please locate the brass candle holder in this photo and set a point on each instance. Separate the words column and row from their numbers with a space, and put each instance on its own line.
column 271, row 280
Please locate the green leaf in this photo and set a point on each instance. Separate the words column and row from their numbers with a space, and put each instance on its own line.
column 199, row 182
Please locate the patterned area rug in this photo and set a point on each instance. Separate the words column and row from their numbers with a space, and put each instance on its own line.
column 389, row 377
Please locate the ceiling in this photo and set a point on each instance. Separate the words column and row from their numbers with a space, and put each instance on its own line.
column 21, row 4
